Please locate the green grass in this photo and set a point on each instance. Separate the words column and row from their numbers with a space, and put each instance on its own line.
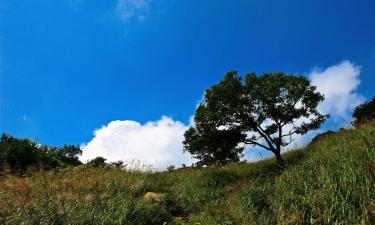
column 331, row 181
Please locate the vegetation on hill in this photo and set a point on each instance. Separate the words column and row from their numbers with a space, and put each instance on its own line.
column 331, row 181
column 18, row 155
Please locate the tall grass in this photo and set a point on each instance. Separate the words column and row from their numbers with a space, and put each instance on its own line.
column 329, row 182
column 335, row 185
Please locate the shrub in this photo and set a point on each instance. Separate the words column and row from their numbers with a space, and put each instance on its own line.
column 97, row 162
column 364, row 112
column 171, row 167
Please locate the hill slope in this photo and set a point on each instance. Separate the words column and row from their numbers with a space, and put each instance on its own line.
column 331, row 181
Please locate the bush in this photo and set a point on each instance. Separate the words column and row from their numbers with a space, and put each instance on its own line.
column 97, row 162
column 321, row 136
column 171, row 167
column 364, row 112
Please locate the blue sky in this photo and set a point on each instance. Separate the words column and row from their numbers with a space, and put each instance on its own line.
column 68, row 67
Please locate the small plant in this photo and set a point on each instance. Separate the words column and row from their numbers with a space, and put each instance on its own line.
column 171, row 167
column 97, row 162
column 118, row 164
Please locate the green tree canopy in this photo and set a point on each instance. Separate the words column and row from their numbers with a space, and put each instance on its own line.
column 263, row 111
column 18, row 154
column 364, row 112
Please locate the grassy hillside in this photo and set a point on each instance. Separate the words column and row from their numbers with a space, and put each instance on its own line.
column 331, row 181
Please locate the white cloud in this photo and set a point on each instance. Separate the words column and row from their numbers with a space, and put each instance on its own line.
column 128, row 9
column 338, row 83
column 157, row 143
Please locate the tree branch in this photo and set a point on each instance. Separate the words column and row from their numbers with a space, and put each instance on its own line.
column 256, row 143
column 290, row 141
column 265, row 136
column 289, row 134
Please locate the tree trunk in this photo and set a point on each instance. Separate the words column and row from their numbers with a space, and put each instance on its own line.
column 279, row 160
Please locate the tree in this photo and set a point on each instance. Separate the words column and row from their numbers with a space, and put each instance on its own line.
column 19, row 154
column 263, row 111
column 364, row 112
column 60, row 157
column 70, row 153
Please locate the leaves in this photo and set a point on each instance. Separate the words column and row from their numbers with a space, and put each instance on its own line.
column 21, row 154
column 273, row 105
column 364, row 112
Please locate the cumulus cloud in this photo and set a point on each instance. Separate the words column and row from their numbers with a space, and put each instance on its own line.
column 128, row 9
column 157, row 143
column 338, row 83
